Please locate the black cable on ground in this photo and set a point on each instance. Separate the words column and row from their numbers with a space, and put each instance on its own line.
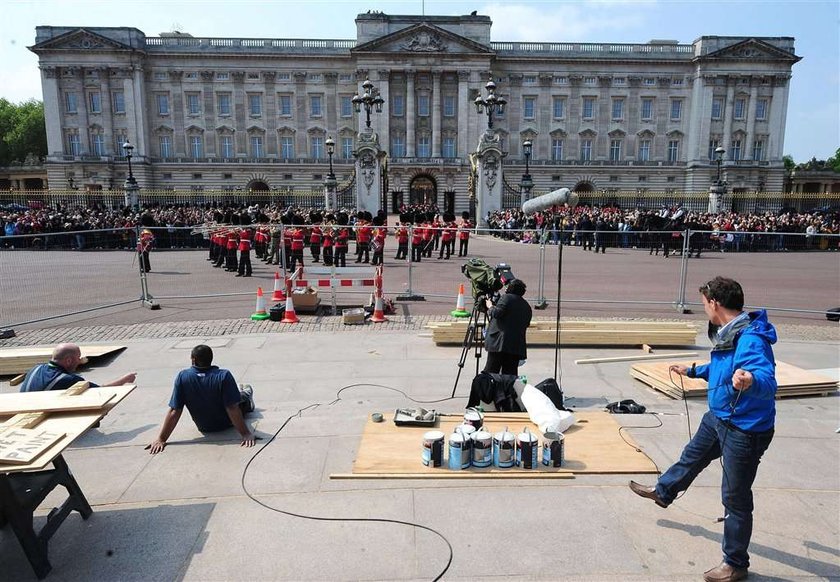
column 346, row 519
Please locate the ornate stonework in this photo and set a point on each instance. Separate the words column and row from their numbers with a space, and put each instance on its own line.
column 424, row 42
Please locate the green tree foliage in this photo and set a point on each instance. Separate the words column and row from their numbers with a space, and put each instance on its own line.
column 789, row 163
column 834, row 161
column 22, row 131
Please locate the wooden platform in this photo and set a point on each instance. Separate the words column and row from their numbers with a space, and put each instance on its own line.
column 592, row 445
column 792, row 380
column 53, row 401
column 586, row 333
column 19, row 360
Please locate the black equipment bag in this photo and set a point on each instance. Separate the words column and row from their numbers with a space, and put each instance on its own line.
column 495, row 388
column 552, row 389
column 833, row 314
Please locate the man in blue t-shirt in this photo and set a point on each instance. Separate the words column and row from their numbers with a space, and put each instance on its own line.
column 212, row 397
column 59, row 372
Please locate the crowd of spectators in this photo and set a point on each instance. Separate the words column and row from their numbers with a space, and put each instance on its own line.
column 727, row 231
column 176, row 225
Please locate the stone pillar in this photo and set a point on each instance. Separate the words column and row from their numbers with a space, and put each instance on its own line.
column 330, row 200
column 436, row 114
column 463, row 113
column 270, row 111
column 107, row 103
column 490, row 175
column 410, row 138
column 241, row 114
column 726, row 138
column 748, row 154
column 53, row 108
column 369, row 157
column 383, row 120
column 176, row 113
column 718, row 201
column 137, row 126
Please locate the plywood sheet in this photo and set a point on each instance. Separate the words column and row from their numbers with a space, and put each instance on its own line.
column 22, row 445
column 792, row 380
column 52, row 401
column 72, row 425
column 592, row 445
column 19, row 360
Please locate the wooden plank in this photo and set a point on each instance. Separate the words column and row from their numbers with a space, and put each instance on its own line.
column 592, row 445
column 19, row 360
column 472, row 473
column 647, row 349
column 72, row 424
column 17, row 380
column 21, row 446
column 632, row 358
column 52, row 401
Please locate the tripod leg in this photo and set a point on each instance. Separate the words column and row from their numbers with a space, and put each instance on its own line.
column 469, row 338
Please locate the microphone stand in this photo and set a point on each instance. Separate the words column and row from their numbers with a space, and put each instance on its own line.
column 559, row 295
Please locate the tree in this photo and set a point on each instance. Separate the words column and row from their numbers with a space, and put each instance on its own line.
column 834, row 161
column 22, row 131
column 789, row 163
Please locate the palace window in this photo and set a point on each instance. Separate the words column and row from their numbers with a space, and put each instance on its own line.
column 95, row 102
column 617, row 109
column 287, row 147
column 588, row 107
column 316, row 147
column 673, row 150
column 615, row 150
column 761, row 109
column 676, row 109
column 713, row 145
column 346, row 148
column 424, row 148
column 758, row 150
column 397, row 106
column 162, row 100
column 449, row 105
column 346, row 106
column 557, row 149
column 586, row 150
column 222, row 76
column 284, row 105
column 254, row 104
column 226, row 147
column 740, row 109
column 397, row 146
column 735, row 150
column 119, row 102
column 528, row 106
column 197, row 146
column 717, row 108
column 423, row 105
column 193, row 104
column 644, row 150
column 71, row 104
column 315, row 106
column 256, row 146
column 647, row 109
column 165, row 146
column 448, row 147
column 74, row 144
column 98, row 144
column 224, row 104
column 558, row 106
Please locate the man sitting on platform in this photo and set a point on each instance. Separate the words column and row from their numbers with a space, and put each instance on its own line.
column 59, row 372
column 212, row 397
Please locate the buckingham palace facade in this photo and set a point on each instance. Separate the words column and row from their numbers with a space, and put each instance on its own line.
column 246, row 113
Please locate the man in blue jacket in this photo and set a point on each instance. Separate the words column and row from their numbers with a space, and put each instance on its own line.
column 739, row 425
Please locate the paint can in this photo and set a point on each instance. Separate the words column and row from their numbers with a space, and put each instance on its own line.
column 474, row 417
column 433, row 448
column 482, row 448
column 527, row 449
column 552, row 449
column 460, row 450
column 504, row 445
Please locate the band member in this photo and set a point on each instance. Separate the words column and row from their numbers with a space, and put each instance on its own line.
column 341, row 243
column 231, row 244
column 363, row 234
column 221, row 247
column 448, row 241
column 378, row 245
column 428, row 239
column 297, row 235
column 327, row 244
column 402, row 242
column 417, row 244
column 315, row 242
column 464, row 236
column 244, row 253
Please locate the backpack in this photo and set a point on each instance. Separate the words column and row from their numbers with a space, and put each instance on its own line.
column 552, row 389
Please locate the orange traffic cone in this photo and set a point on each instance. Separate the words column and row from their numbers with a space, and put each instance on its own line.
column 460, row 309
column 278, row 289
column 260, row 312
column 378, row 310
column 289, row 316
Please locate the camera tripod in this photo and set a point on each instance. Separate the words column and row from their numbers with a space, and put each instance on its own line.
column 473, row 338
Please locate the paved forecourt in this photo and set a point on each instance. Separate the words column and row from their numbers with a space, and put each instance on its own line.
column 183, row 514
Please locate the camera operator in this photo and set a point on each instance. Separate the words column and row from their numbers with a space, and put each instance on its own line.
column 505, row 340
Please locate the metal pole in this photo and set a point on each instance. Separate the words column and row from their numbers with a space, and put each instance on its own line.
column 683, row 272
column 409, row 293
column 541, row 302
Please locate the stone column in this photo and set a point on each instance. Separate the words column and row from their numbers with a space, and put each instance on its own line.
column 748, row 154
column 463, row 113
column 490, row 175
column 107, row 109
column 137, row 126
column 53, row 108
column 369, row 156
column 270, row 113
column 409, row 114
column 699, row 118
column 436, row 114
column 778, row 118
column 212, row 141
column 383, row 120
column 726, row 139
column 176, row 113
column 240, row 113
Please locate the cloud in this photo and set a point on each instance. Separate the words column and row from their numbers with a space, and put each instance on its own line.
column 589, row 21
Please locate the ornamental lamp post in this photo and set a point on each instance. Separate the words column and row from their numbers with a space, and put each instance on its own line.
column 370, row 99
column 527, row 183
column 330, row 202
column 718, row 191
column 719, row 151
column 491, row 104
column 132, row 197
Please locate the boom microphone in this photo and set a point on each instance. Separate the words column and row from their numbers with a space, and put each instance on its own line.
column 546, row 201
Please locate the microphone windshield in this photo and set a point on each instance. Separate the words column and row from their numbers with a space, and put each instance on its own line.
column 546, row 201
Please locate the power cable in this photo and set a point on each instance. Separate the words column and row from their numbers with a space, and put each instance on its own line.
column 298, row 414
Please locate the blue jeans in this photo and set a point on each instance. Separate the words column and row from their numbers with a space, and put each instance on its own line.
column 742, row 453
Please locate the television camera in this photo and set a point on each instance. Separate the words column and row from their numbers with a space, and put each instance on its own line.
column 486, row 281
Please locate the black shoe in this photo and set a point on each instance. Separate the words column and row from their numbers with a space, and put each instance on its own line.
column 647, row 492
column 238, row 275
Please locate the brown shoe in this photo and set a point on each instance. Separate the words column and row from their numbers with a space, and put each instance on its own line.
column 725, row 573
column 647, row 492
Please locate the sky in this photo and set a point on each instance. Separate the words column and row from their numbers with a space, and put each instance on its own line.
column 813, row 122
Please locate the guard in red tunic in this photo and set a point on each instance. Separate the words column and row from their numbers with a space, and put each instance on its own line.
column 297, row 235
column 378, row 245
column 428, row 239
column 230, row 250
column 402, row 242
column 221, row 252
column 464, row 237
column 315, row 234
column 417, row 243
column 363, row 234
column 327, row 244
column 447, row 241
column 341, row 244
column 244, row 253
column 261, row 238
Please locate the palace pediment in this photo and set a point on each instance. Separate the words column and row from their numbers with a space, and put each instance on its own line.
column 752, row 49
column 80, row 40
column 422, row 39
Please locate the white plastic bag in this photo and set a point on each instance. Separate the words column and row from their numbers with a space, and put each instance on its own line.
column 543, row 413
